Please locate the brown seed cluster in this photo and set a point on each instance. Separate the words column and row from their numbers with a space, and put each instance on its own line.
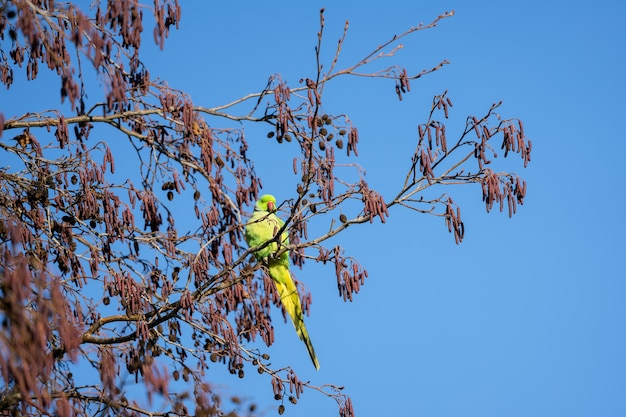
column 350, row 275
column 374, row 204
column 514, row 140
column 402, row 84
column 500, row 189
column 37, row 320
column 45, row 32
column 345, row 408
column 284, row 117
column 453, row 221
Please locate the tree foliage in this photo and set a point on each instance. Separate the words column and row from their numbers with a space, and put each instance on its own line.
column 97, row 273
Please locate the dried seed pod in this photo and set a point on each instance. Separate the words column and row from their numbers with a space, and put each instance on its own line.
column 270, row 134
column 170, row 195
column 339, row 143
column 399, row 93
column 293, row 399
column 23, row 139
column 343, row 218
column 281, row 409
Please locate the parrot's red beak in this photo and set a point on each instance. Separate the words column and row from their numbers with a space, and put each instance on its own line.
column 271, row 207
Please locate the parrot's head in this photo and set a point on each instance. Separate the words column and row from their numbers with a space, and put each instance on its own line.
column 267, row 202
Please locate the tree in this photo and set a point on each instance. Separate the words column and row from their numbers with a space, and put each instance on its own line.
column 96, row 273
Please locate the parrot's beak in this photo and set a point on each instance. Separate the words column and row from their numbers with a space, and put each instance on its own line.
column 270, row 207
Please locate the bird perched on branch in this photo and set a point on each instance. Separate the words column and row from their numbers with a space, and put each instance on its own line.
column 263, row 227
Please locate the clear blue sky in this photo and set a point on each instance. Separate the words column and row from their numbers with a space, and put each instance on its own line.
column 527, row 317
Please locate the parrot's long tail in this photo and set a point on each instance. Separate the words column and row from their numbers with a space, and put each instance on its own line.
column 291, row 300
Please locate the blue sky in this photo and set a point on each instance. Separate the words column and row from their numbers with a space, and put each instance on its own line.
column 527, row 316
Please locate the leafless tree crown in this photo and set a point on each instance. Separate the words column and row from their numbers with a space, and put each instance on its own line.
column 102, row 267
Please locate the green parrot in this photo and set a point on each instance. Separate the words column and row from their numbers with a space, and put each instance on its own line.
column 263, row 226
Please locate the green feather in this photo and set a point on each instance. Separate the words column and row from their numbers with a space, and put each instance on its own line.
column 262, row 227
